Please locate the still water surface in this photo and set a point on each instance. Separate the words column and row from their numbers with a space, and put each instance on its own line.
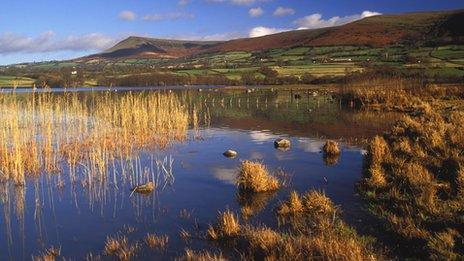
column 78, row 216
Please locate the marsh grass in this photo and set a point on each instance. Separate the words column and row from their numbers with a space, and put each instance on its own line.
column 227, row 226
column 191, row 255
column 120, row 248
column 414, row 182
column 320, row 234
column 153, row 241
column 395, row 93
column 42, row 133
column 254, row 177
column 50, row 254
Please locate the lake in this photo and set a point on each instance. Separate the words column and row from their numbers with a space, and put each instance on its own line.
column 76, row 212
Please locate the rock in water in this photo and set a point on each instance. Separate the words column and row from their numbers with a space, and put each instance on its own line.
column 282, row 143
column 230, row 153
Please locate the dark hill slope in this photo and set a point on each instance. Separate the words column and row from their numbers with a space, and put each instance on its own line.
column 418, row 28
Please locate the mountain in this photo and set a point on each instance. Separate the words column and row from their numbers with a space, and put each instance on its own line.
column 154, row 48
column 426, row 28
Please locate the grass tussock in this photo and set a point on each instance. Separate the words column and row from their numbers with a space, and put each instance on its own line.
column 254, row 177
column 227, row 226
column 44, row 132
column 50, row 254
column 120, row 248
column 153, row 241
column 331, row 148
column 414, row 181
column 191, row 255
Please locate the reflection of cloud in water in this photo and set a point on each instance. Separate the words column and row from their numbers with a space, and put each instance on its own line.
column 310, row 145
column 255, row 155
column 225, row 175
column 260, row 137
column 284, row 155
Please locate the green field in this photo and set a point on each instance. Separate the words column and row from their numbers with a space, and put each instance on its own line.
column 12, row 81
column 322, row 61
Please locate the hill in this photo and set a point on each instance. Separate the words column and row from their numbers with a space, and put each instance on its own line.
column 154, row 48
column 427, row 28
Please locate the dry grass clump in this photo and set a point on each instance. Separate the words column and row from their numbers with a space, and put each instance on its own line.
column 191, row 255
column 120, row 248
column 227, row 226
column 292, row 206
column 331, row 148
column 414, row 180
column 50, row 254
column 154, row 241
column 254, row 177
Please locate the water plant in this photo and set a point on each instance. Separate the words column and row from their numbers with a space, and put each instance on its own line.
column 254, row 177
column 43, row 132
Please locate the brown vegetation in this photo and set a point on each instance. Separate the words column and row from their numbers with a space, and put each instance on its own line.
column 120, row 248
column 50, row 254
column 331, row 148
column 414, row 181
column 227, row 226
column 388, row 89
column 254, row 177
column 38, row 133
column 154, row 241
column 320, row 234
column 191, row 255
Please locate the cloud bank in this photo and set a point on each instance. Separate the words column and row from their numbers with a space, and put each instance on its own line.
column 312, row 21
column 48, row 42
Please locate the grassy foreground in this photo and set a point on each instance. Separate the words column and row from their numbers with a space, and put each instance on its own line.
column 414, row 182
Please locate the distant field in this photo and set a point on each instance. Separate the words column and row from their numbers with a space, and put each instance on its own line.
column 11, row 81
column 320, row 61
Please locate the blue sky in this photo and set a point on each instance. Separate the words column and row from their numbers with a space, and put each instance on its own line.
column 36, row 30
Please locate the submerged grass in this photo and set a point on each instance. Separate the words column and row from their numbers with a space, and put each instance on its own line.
column 120, row 248
column 414, row 181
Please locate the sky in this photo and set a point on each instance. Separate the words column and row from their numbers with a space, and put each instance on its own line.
column 42, row 30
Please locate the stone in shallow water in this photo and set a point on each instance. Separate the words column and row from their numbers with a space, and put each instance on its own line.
column 282, row 143
column 230, row 153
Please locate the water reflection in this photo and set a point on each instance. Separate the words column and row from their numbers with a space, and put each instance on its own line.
column 83, row 204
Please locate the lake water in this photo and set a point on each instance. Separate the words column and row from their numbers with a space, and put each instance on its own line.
column 51, row 210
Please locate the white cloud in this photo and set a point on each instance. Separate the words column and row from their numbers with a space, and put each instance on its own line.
column 315, row 20
column 255, row 12
column 263, row 31
column 168, row 16
column 127, row 15
column 283, row 11
column 48, row 42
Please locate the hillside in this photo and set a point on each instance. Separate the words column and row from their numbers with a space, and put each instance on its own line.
column 377, row 31
column 154, row 48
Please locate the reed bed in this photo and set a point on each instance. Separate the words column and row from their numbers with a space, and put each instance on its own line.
column 43, row 133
